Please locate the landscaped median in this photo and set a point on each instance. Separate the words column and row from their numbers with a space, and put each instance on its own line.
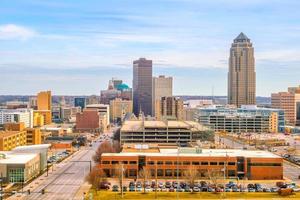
column 108, row 195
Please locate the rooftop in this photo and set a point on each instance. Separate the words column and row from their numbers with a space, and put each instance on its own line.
column 16, row 158
column 136, row 125
column 9, row 133
column 241, row 38
column 190, row 152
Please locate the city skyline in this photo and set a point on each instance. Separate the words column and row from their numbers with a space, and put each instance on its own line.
column 50, row 45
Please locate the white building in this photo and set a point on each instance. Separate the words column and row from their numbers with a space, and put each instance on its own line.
column 17, row 115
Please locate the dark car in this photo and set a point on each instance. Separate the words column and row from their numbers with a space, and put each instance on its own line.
column 115, row 188
column 168, row 184
column 105, row 185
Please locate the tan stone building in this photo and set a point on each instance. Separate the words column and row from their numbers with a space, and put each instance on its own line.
column 161, row 87
column 241, row 75
column 290, row 103
column 169, row 108
column 118, row 108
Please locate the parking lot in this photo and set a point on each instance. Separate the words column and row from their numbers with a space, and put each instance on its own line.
column 198, row 186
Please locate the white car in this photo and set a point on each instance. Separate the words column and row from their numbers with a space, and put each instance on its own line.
column 148, row 189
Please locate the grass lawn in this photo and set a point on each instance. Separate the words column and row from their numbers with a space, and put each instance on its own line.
column 108, row 195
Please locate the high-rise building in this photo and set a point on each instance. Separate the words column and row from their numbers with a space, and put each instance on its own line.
column 118, row 109
column 161, row 87
column 169, row 108
column 241, row 75
column 142, row 86
column 290, row 103
column 44, row 100
column 80, row 102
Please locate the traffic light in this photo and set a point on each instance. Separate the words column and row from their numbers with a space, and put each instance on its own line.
column 28, row 191
column 43, row 191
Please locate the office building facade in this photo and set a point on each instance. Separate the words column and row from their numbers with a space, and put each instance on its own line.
column 241, row 75
column 161, row 87
column 165, row 163
column 169, row 108
column 142, row 86
column 119, row 108
column 80, row 102
column 244, row 119
column 17, row 115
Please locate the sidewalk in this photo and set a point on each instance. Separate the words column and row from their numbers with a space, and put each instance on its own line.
column 84, row 189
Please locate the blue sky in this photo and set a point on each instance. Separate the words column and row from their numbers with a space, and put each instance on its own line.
column 75, row 47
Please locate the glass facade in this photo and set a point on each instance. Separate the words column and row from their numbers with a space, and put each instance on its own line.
column 16, row 175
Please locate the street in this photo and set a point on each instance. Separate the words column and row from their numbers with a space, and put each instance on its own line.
column 290, row 170
column 64, row 180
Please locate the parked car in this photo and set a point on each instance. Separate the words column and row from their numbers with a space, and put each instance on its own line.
column 131, row 189
column 115, row 188
column 168, row 184
column 148, row 189
column 196, row 189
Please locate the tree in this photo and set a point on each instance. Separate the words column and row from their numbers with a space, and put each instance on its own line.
column 191, row 174
column 106, row 147
column 215, row 175
column 144, row 174
column 95, row 177
column 119, row 172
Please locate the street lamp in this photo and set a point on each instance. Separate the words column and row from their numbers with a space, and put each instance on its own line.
column 177, row 142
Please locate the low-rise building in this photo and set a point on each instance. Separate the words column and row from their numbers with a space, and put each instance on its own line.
column 19, row 167
column 244, row 119
column 164, row 163
column 88, row 121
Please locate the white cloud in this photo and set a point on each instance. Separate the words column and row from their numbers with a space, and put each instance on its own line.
column 12, row 31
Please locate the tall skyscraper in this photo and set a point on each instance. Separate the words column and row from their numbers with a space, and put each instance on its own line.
column 142, row 86
column 161, row 87
column 241, row 75
column 44, row 100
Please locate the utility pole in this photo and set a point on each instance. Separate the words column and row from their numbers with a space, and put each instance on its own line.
column 156, row 180
column 177, row 169
column 1, row 194
column 122, row 180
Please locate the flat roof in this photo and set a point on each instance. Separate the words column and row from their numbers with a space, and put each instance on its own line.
column 16, row 158
column 204, row 153
column 9, row 133
column 137, row 125
column 32, row 147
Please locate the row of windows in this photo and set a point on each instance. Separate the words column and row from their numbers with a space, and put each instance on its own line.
column 170, row 163
column 265, row 164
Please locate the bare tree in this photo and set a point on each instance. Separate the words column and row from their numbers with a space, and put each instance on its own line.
column 215, row 175
column 119, row 172
column 191, row 174
column 145, row 174
column 95, row 177
column 106, row 147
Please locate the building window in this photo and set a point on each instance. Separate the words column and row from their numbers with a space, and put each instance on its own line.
column 221, row 163
column 204, row 163
column 231, row 163
column 160, row 172
column 186, row 163
column 16, row 175
column 125, row 162
column 231, row 172
column 132, row 162
column 160, row 163
column 114, row 162
column 168, row 172
column 213, row 163
column 168, row 163
column 106, row 162
column 195, row 163
column 132, row 172
column 177, row 163
column 150, row 162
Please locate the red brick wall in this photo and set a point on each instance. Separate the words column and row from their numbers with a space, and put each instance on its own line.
column 88, row 119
